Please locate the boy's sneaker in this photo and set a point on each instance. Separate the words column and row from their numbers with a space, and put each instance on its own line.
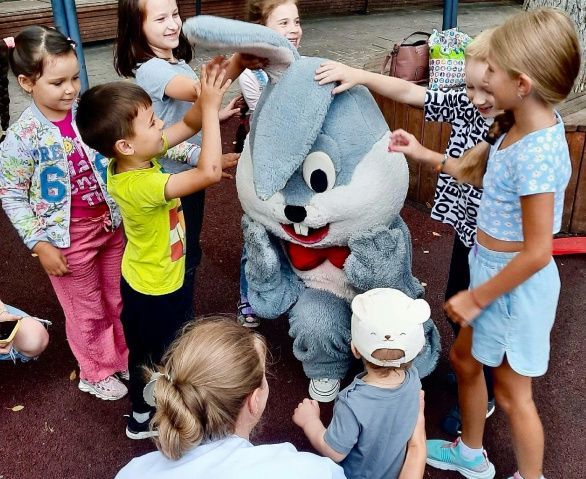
column 324, row 390
column 109, row 389
column 452, row 422
column 446, row 456
column 140, row 430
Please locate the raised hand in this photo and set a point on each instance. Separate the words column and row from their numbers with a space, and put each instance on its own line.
column 213, row 86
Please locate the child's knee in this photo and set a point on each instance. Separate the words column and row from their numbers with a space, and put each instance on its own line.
column 512, row 402
column 464, row 363
column 32, row 338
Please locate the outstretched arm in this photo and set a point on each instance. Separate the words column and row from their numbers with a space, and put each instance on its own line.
column 390, row 87
column 306, row 416
column 209, row 169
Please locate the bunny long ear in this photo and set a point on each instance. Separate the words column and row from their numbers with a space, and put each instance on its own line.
column 242, row 37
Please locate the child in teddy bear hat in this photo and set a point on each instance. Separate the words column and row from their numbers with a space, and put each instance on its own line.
column 375, row 416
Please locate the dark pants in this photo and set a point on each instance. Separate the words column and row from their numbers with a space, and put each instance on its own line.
column 150, row 325
column 193, row 211
column 459, row 280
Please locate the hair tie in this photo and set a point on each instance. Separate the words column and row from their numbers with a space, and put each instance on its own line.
column 9, row 42
column 148, row 393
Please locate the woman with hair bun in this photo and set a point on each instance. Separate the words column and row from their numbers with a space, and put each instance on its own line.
column 210, row 394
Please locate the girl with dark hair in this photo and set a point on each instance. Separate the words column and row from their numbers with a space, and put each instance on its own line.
column 151, row 47
column 52, row 188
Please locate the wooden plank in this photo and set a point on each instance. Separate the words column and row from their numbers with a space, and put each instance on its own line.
column 576, row 142
column 578, row 222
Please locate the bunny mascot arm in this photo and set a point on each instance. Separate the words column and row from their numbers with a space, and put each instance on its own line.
column 322, row 197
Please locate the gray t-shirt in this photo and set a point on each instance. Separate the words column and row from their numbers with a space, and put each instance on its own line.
column 372, row 426
column 154, row 75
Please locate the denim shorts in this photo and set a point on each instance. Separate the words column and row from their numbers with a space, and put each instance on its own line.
column 519, row 322
column 15, row 355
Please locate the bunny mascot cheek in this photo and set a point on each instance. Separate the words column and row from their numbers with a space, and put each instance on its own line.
column 321, row 196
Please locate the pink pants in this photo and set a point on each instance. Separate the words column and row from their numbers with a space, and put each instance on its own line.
column 90, row 298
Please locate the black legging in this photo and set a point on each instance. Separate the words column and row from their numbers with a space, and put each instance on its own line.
column 459, row 280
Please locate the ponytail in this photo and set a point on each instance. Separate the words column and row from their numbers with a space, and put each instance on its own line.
column 472, row 166
column 207, row 375
column 4, row 96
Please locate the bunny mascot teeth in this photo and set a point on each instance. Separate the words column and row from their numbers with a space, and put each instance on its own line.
column 321, row 196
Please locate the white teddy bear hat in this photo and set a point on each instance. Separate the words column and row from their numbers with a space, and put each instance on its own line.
column 386, row 318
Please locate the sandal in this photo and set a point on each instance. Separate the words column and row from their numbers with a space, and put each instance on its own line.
column 246, row 316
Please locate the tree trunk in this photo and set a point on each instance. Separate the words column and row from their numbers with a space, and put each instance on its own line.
column 577, row 10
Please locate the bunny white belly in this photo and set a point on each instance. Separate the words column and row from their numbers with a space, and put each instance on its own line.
column 330, row 278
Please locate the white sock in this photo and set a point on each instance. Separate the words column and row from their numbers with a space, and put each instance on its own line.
column 468, row 452
column 141, row 416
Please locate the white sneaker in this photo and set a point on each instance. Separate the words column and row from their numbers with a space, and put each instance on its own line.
column 124, row 375
column 109, row 389
column 324, row 389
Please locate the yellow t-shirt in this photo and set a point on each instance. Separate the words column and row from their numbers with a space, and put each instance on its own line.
column 154, row 256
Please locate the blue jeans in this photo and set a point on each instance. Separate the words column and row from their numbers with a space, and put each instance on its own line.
column 243, row 282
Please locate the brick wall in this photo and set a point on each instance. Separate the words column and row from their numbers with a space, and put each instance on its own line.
column 237, row 8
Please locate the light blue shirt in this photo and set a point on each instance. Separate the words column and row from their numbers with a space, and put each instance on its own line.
column 234, row 458
column 154, row 75
column 537, row 163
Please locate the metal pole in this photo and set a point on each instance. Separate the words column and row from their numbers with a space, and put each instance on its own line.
column 59, row 16
column 73, row 28
column 450, row 19
column 198, row 7
column 65, row 19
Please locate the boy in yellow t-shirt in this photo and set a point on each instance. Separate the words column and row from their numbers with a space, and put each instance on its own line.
column 117, row 120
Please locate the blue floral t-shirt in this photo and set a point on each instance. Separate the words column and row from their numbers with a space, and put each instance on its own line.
column 537, row 163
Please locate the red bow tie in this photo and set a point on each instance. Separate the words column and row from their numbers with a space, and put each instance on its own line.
column 304, row 258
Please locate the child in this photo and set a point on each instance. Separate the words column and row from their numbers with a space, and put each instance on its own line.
column 30, row 340
column 281, row 16
column 375, row 416
column 53, row 191
column 155, row 299
column 211, row 392
column 151, row 46
column 515, row 285
column 470, row 111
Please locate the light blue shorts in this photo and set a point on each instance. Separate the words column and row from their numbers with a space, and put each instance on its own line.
column 517, row 323
column 13, row 354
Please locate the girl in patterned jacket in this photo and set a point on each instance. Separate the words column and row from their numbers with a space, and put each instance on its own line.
column 511, row 305
column 52, row 188
column 470, row 111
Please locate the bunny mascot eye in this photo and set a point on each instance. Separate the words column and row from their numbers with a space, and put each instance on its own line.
column 319, row 172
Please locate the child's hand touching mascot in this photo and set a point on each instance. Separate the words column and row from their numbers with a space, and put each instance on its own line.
column 321, row 196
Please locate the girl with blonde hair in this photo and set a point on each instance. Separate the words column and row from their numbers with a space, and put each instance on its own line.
column 469, row 110
column 511, row 304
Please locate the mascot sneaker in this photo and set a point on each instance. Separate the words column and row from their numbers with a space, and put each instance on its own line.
column 324, row 390
column 446, row 456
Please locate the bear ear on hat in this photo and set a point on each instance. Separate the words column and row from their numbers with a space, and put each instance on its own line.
column 419, row 311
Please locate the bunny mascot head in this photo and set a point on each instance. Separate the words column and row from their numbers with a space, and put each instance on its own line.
column 321, row 196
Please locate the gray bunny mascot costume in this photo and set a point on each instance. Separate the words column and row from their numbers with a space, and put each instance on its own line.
column 321, row 197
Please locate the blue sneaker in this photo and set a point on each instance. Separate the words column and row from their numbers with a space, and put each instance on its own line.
column 446, row 456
